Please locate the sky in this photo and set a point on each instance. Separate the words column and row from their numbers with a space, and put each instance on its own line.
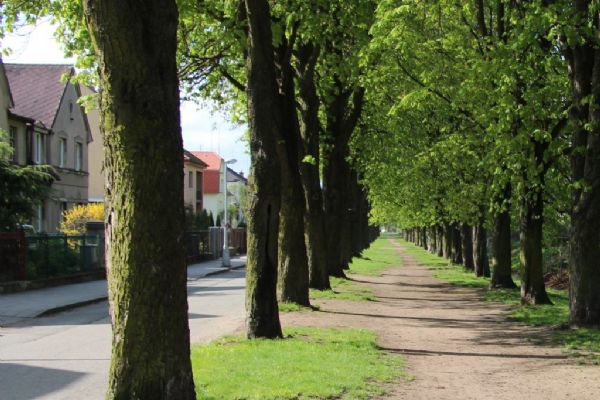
column 202, row 129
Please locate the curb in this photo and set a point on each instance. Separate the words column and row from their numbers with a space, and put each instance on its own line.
column 67, row 307
column 222, row 271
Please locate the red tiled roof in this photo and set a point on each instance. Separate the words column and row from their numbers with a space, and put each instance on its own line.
column 188, row 156
column 37, row 90
column 210, row 158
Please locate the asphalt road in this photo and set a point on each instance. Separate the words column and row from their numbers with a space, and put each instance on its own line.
column 67, row 355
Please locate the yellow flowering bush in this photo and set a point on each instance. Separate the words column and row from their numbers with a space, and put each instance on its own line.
column 74, row 219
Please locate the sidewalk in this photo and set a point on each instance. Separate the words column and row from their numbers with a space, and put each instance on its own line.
column 35, row 303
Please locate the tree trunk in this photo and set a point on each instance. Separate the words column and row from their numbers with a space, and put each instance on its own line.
column 457, row 257
column 480, row 253
column 533, row 289
column 466, row 235
column 314, row 218
column 447, row 248
column 145, row 219
column 264, row 116
column 440, row 240
column 584, row 63
column 501, row 262
column 341, row 121
column 432, row 239
column 293, row 261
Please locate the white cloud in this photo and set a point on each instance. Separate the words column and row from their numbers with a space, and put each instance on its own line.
column 201, row 129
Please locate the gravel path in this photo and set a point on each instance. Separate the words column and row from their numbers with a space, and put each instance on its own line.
column 455, row 345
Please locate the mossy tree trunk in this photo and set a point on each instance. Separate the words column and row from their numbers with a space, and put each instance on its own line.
column 145, row 256
column 314, row 218
column 342, row 113
column 264, row 194
column 584, row 62
column 293, row 261
column 533, row 289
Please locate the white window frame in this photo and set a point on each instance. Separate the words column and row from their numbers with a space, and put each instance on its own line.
column 39, row 148
column 62, row 152
column 78, row 156
column 40, row 217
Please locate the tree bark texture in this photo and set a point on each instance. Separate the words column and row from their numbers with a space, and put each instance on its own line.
column 533, row 289
column 439, row 231
column 145, row 220
column 466, row 236
column 293, row 261
column 447, row 247
column 264, row 194
column 457, row 257
column 480, row 253
column 342, row 118
column 314, row 217
column 501, row 262
column 584, row 63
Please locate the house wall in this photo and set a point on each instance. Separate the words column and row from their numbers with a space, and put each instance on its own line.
column 213, row 202
column 95, row 154
column 72, row 187
column 21, row 142
column 4, row 99
column 190, row 193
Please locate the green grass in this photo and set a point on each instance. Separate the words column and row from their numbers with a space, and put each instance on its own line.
column 295, row 307
column 579, row 342
column 343, row 289
column 377, row 258
column 310, row 363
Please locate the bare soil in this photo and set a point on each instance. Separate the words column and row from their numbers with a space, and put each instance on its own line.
column 456, row 346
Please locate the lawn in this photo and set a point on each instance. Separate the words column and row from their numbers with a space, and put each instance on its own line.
column 377, row 258
column 309, row 363
column 581, row 341
column 343, row 289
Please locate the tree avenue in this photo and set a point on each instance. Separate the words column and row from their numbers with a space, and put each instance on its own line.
column 461, row 123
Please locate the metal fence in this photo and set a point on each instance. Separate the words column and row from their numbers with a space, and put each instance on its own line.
column 59, row 255
column 33, row 257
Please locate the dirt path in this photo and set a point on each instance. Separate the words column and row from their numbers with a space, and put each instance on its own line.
column 455, row 345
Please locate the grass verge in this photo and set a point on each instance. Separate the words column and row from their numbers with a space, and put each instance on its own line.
column 343, row 289
column 374, row 260
column 295, row 307
column 310, row 363
column 581, row 342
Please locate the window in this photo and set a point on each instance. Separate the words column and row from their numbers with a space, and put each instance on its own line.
column 39, row 148
column 62, row 152
column 13, row 143
column 191, row 179
column 78, row 156
column 39, row 220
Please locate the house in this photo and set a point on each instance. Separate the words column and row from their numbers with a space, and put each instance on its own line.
column 6, row 101
column 193, row 175
column 213, row 181
column 236, row 186
column 48, row 126
column 193, row 167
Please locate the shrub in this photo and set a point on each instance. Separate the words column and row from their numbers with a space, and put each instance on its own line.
column 74, row 219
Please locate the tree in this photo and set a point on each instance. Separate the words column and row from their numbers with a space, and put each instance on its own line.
column 265, row 120
column 21, row 187
column 582, row 52
column 145, row 220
